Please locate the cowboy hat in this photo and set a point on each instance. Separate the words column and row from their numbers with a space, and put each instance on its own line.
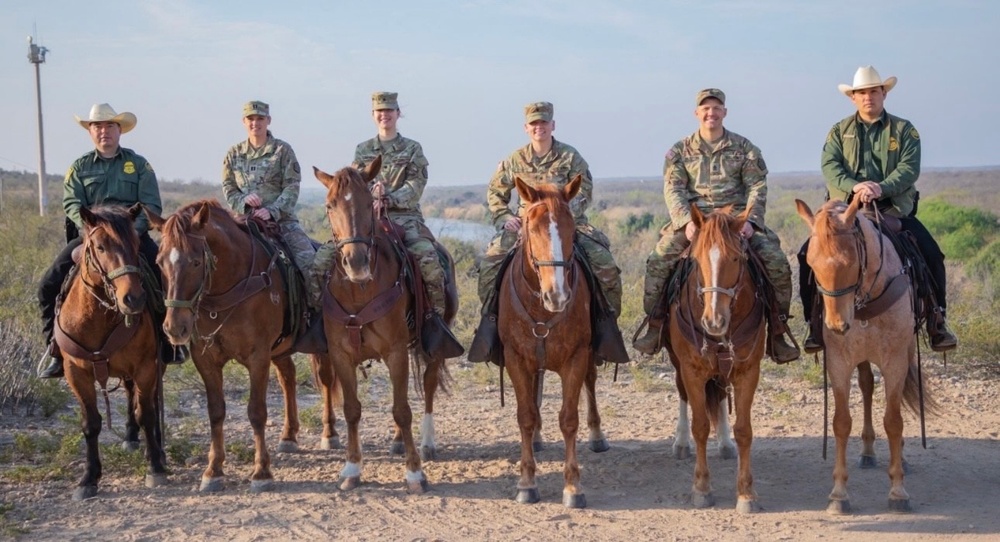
column 867, row 77
column 104, row 113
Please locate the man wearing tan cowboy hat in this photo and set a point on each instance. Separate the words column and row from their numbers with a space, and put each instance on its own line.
column 107, row 175
column 875, row 156
column 715, row 168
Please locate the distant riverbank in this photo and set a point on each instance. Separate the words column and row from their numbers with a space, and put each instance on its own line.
column 462, row 230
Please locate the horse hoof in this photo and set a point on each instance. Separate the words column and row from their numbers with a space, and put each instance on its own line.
column 350, row 482
column 867, row 462
column 599, row 446
column 156, row 480
column 331, row 443
column 747, row 506
column 260, row 486
column 130, row 445
column 417, row 487
column 900, row 506
column 211, row 484
column 84, row 492
column 682, row 452
column 288, row 447
column 528, row 496
column 574, row 500
column 703, row 500
column 839, row 507
column 428, row 453
column 537, row 446
column 397, row 448
column 727, row 452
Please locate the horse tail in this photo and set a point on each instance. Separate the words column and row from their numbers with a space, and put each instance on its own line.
column 912, row 391
column 715, row 393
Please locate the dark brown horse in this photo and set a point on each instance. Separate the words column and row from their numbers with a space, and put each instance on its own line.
column 544, row 324
column 868, row 319
column 717, row 331
column 365, row 305
column 105, row 330
column 226, row 297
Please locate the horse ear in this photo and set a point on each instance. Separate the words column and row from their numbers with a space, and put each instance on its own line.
column 201, row 217
column 323, row 177
column 134, row 210
column 527, row 192
column 573, row 187
column 696, row 216
column 852, row 210
column 741, row 219
column 372, row 170
column 155, row 221
column 89, row 219
column 805, row 212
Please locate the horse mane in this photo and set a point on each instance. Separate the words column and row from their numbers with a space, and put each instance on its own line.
column 828, row 220
column 347, row 175
column 179, row 223
column 119, row 223
column 716, row 231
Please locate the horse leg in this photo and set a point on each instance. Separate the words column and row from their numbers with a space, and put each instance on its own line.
column 537, row 382
column 598, row 442
column 328, row 384
column 899, row 499
column 211, row 374
column 284, row 367
column 131, row 442
column 866, row 382
column 350, row 475
column 527, row 420
column 840, row 382
column 428, row 446
column 399, row 374
column 396, row 446
column 746, row 387
column 259, row 366
column 82, row 385
column 701, row 490
column 682, row 434
column 569, row 424
column 723, row 432
column 148, row 415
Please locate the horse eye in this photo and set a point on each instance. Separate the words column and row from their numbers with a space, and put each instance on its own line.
column 100, row 248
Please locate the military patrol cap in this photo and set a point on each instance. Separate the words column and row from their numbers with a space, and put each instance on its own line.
column 256, row 108
column 538, row 111
column 710, row 93
column 384, row 100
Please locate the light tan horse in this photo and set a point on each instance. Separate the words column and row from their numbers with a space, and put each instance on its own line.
column 857, row 268
column 717, row 339
column 544, row 325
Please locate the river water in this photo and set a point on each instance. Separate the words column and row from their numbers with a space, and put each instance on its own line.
column 462, row 230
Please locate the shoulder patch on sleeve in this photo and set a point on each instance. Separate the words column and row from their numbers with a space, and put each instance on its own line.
column 295, row 166
column 914, row 133
column 149, row 167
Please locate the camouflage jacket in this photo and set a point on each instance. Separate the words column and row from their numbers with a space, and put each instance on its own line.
column 272, row 172
column 404, row 171
column 558, row 166
column 887, row 152
column 125, row 179
column 733, row 174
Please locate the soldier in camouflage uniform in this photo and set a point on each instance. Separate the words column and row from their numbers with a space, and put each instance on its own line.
column 261, row 176
column 876, row 156
column 544, row 159
column 107, row 175
column 400, row 185
column 713, row 168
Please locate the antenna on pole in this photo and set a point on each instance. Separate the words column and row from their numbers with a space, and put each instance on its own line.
column 36, row 55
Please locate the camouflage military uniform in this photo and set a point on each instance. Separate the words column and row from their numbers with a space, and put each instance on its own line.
column 733, row 173
column 272, row 172
column 559, row 166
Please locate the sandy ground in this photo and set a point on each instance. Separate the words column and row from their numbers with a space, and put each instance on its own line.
column 635, row 491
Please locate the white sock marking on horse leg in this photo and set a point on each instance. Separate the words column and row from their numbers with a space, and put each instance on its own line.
column 414, row 476
column 175, row 256
column 713, row 257
column 723, row 430
column 427, row 431
column 350, row 470
column 682, row 434
column 557, row 254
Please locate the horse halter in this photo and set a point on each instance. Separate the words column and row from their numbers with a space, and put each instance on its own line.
column 731, row 292
column 566, row 264
column 204, row 284
column 862, row 256
column 369, row 241
column 107, row 278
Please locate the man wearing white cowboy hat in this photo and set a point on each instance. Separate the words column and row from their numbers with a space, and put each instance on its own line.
column 109, row 175
column 875, row 156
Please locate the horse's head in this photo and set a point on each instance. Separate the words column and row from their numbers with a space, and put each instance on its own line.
column 111, row 256
column 186, row 262
column 722, row 266
column 352, row 217
column 547, row 235
column 835, row 246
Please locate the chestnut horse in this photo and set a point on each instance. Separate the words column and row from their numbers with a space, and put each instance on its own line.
column 365, row 305
column 225, row 297
column 544, row 324
column 717, row 332
column 857, row 269
column 104, row 330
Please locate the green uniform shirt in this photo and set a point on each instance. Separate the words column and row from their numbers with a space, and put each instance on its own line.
column 887, row 152
column 728, row 172
column 404, row 171
column 558, row 166
column 272, row 172
column 124, row 179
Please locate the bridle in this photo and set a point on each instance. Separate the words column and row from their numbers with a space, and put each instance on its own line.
column 205, row 284
column 731, row 292
column 107, row 278
column 862, row 257
column 566, row 264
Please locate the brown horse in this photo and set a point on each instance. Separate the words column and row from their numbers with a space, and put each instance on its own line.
column 717, row 331
column 868, row 319
column 105, row 330
column 544, row 324
column 227, row 299
column 365, row 306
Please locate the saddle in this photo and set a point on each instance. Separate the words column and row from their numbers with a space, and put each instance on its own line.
column 295, row 319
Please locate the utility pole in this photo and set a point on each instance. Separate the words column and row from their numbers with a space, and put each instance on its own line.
column 36, row 55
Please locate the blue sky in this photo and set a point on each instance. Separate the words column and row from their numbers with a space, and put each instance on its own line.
column 622, row 75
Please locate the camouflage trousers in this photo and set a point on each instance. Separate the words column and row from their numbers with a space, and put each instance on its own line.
column 304, row 256
column 420, row 242
column 663, row 260
column 594, row 243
